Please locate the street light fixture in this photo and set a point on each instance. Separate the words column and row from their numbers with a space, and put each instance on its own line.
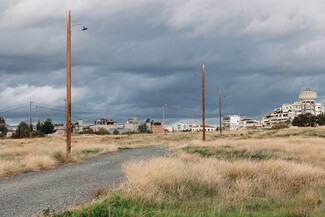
column 68, row 122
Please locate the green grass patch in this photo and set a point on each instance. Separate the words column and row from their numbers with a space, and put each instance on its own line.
column 123, row 148
column 91, row 152
column 59, row 157
column 233, row 153
column 117, row 205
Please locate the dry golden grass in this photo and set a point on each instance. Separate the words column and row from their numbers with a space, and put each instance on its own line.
column 24, row 155
column 308, row 150
column 187, row 176
column 243, row 172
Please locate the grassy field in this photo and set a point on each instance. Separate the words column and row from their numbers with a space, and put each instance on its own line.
column 25, row 155
column 245, row 173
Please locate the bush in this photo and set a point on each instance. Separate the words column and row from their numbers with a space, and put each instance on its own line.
column 46, row 127
column 321, row 119
column 280, row 125
column 37, row 133
column 305, row 120
column 22, row 131
column 3, row 128
column 59, row 157
column 143, row 128
column 102, row 131
column 90, row 131
column 116, row 132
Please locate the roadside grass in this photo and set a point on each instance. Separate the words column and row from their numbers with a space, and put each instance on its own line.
column 24, row 155
column 246, row 173
column 116, row 205
column 187, row 185
column 233, row 153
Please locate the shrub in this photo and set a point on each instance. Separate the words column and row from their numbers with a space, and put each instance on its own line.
column 22, row 131
column 280, row 125
column 90, row 131
column 102, row 131
column 3, row 128
column 59, row 157
column 38, row 133
column 46, row 127
column 143, row 128
column 116, row 132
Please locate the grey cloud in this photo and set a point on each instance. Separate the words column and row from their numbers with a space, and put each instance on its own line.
column 138, row 55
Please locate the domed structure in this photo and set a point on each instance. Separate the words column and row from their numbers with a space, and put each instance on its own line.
column 307, row 99
column 307, row 95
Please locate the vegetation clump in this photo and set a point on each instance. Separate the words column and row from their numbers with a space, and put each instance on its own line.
column 3, row 128
column 22, row 131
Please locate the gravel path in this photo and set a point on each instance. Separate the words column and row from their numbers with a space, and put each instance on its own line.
column 30, row 193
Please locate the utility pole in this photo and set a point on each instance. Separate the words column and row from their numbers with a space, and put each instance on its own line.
column 259, row 119
column 220, row 112
column 68, row 123
column 36, row 107
column 203, row 104
column 65, row 114
column 239, row 111
column 164, row 116
column 30, row 119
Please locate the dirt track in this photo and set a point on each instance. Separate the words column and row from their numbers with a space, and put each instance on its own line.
column 30, row 193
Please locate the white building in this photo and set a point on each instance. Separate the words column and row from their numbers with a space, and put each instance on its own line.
column 180, row 127
column 231, row 122
column 307, row 104
column 200, row 128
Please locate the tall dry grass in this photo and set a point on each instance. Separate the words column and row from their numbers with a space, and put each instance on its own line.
column 187, row 176
column 308, row 150
column 24, row 155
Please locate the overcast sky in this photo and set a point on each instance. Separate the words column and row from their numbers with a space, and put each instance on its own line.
column 140, row 54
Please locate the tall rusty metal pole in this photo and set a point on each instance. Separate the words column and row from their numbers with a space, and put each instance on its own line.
column 220, row 111
column 203, row 104
column 68, row 127
column 30, row 120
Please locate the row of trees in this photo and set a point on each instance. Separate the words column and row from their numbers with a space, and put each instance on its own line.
column 23, row 130
column 306, row 120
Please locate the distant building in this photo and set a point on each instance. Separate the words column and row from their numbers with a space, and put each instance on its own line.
column 246, row 123
column 11, row 130
column 131, row 124
column 154, row 126
column 200, row 128
column 231, row 122
column 180, row 127
column 105, row 124
column 288, row 112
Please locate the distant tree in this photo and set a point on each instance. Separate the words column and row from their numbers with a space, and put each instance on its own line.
column 143, row 128
column 321, row 119
column 116, row 132
column 102, row 131
column 38, row 125
column 3, row 127
column 90, row 131
column 22, row 131
column 46, row 127
column 305, row 120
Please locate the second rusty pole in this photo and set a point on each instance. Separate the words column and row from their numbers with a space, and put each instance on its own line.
column 203, row 104
column 220, row 111
column 68, row 127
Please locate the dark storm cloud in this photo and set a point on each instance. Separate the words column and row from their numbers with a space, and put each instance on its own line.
column 138, row 55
